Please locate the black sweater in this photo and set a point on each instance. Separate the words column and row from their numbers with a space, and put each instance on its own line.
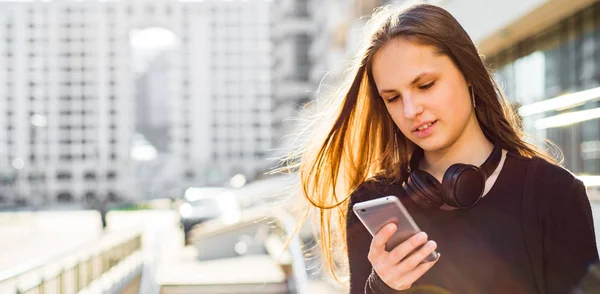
column 483, row 249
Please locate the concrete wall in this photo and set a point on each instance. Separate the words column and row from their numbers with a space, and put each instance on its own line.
column 495, row 25
column 483, row 18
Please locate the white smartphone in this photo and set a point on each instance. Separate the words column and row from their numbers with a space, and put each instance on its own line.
column 377, row 213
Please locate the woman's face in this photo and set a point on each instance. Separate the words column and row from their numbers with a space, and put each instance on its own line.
column 424, row 92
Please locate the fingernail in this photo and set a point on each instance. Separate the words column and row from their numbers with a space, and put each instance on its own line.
column 422, row 236
column 430, row 244
column 392, row 227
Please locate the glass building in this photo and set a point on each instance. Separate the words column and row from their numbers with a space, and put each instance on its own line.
column 554, row 79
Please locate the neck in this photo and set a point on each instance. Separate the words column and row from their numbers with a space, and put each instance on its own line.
column 470, row 148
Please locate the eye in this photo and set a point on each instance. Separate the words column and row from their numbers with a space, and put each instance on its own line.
column 427, row 86
column 392, row 99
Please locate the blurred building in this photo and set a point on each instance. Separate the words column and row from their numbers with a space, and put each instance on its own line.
column 331, row 20
column 338, row 32
column 313, row 40
column 338, row 25
column 541, row 51
column 292, row 33
column 151, row 91
column 67, row 94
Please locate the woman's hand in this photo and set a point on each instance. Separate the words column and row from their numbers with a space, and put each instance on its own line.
column 397, row 268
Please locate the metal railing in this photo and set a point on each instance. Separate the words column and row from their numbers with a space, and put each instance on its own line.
column 280, row 224
column 73, row 271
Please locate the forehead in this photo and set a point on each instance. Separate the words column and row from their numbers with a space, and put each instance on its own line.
column 401, row 60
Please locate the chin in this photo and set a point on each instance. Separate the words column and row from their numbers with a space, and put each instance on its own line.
column 432, row 144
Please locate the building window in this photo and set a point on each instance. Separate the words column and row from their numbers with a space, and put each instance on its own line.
column 66, row 157
column 63, row 176
column 89, row 176
column 189, row 174
column 64, row 197
column 90, row 196
column 112, row 196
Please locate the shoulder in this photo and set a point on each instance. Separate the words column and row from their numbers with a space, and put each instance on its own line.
column 555, row 180
column 551, row 174
column 554, row 186
column 547, row 174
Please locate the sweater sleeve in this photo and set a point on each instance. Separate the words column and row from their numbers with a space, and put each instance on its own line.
column 569, row 238
column 363, row 278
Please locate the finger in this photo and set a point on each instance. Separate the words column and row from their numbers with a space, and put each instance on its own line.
column 377, row 249
column 419, row 271
column 383, row 236
column 402, row 250
column 416, row 258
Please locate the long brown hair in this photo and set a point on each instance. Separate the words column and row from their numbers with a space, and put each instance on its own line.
column 355, row 138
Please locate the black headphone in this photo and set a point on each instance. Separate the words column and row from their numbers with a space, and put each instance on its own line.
column 462, row 185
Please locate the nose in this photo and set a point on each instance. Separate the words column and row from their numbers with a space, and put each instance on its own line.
column 411, row 107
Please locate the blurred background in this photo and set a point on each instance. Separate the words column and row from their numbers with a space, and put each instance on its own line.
column 136, row 135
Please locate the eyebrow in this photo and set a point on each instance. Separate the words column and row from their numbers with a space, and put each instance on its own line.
column 415, row 81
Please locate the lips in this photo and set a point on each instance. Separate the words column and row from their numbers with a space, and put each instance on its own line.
column 424, row 126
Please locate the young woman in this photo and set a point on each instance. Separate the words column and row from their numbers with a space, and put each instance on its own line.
column 422, row 119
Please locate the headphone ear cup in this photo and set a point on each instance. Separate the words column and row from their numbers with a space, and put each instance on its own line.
column 462, row 185
column 424, row 189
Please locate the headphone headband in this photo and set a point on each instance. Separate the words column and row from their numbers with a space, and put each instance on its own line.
column 488, row 166
column 462, row 185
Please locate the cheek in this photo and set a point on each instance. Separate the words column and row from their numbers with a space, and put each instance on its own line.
column 449, row 103
column 397, row 113
column 461, row 106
